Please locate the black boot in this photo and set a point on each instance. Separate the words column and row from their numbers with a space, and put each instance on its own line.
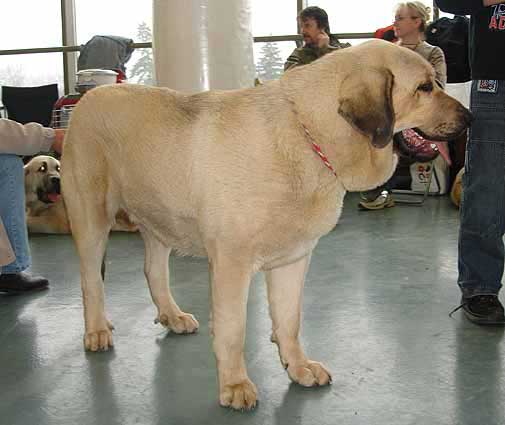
column 21, row 282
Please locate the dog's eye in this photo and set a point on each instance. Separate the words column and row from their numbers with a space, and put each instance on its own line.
column 58, row 168
column 42, row 168
column 426, row 87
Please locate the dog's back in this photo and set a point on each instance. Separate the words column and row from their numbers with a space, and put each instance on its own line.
column 183, row 151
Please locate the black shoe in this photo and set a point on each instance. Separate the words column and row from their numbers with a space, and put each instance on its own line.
column 483, row 309
column 21, row 282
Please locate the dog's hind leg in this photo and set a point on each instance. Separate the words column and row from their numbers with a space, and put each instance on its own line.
column 86, row 193
column 90, row 232
column 285, row 287
column 157, row 275
column 230, row 281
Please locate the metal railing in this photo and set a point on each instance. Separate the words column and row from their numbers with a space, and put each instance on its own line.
column 300, row 4
column 261, row 39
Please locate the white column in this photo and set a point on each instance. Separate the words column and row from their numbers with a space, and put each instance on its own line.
column 230, row 41
column 69, row 38
column 203, row 44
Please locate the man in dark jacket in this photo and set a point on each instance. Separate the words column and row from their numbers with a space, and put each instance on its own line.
column 481, row 249
column 317, row 40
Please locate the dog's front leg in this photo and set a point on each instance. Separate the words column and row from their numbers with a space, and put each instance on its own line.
column 43, row 224
column 98, row 335
column 285, row 287
column 230, row 286
column 157, row 274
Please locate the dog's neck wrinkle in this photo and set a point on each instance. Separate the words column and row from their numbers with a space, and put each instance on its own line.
column 309, row 116
column 346, row 166
column 311, row 140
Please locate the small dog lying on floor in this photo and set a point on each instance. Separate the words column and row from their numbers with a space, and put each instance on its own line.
column 45, row 209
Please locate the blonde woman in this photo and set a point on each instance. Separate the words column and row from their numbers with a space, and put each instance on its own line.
column 411, row 20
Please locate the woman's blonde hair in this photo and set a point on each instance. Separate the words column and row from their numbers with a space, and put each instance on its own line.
column 418, row 10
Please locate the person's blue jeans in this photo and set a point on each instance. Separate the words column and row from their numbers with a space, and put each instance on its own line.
column 481, row 250
column 12, row 211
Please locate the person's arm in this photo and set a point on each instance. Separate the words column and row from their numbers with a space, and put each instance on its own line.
column 59, row 136
column 28, row 139
column 464, row 7
column 292, row 61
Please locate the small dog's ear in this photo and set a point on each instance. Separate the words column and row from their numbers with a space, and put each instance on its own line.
column 366, row 103
column 27, row 170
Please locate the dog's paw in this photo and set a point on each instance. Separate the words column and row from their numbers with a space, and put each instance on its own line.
column 100, row 340
column 241, row 396
column 183, row 323
column 310, row 374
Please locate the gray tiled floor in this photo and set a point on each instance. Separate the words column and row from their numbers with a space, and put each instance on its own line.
column 376, row 308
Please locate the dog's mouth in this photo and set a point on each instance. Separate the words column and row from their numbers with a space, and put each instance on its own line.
column 447, row 137
column 48, row 197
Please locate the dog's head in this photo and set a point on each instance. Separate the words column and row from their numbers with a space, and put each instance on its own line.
column 390, row 88
column 42, row 180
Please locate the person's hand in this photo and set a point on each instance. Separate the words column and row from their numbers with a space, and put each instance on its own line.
column 59, row 135
column 491, row 2
column 323, row 40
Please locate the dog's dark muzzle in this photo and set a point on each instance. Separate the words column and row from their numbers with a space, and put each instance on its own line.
column 51, row 191
column 449, row 133
column 54, row 185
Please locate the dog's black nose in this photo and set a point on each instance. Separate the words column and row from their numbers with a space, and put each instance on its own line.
column 55, row 184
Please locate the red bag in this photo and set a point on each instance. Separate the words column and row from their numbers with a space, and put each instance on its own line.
column 386, row 33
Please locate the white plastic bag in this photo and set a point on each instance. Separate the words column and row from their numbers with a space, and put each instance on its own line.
column 420, row 174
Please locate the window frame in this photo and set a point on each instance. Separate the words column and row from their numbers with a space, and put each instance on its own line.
column 70, row 48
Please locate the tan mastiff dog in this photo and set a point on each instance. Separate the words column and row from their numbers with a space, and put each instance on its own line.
column 233, row 176
column 45, row 209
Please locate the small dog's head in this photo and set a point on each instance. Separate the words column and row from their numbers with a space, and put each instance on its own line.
column 42, row 180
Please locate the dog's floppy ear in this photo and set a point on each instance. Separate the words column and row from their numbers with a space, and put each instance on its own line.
column 366, row 103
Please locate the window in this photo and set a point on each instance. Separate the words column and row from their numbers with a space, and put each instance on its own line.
column 273, row 17
column 22, row 27
column 363, row 16
column 124, row 19
column 30, row 24
column 99, row 17
column 269, row 58
column 31, row 70
column 37, row 24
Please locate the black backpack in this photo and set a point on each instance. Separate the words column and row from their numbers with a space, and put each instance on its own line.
column 451, row 35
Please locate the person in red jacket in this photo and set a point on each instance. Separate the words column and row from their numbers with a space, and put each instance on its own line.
column 481, row 251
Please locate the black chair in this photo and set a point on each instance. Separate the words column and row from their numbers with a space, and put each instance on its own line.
column 30, row 104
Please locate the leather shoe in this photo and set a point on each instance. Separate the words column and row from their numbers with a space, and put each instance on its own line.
column 483, row 309
column 21, row 282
